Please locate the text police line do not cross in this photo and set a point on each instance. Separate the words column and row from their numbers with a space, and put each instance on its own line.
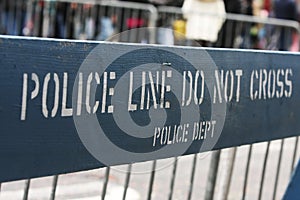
column 123, row 103
column 153, row 83
column 265, row 84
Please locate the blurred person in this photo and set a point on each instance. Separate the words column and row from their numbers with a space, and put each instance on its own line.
column 285, row 9
column 267, row 6
column 3, row 14
column 247, row 7
column 60, row 25
column 106, row 27
column 228, row 34
column 88, row 29
column 179, row 27
column 204, row 20
column 13, row 17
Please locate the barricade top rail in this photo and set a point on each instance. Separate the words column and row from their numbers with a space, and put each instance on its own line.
column 116, row 4
column 27, row 108
column 113, row 3
column 153, row 14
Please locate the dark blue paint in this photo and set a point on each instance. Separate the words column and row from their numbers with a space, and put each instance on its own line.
column 39, row 147
column 292, row 191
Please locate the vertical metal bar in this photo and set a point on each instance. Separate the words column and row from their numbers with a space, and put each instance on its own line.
column 68, row 33
column 101, row 14
column 83, row 22
column 97, row 21
column 288, row 38
column 212, row 175
column 173, row 178
column 82, row 16
column 119, row 23
column 238, row 35
column 126, row 17
column 104, row 189
column 94, row 15
column 133, row 36
column 0, row 186
column 151, row 180
column 278, row 168
column 225, row 180
column 46, row 19
column 264, row 171
column 247, row 172
column 153, row 16
column 229, row 36
column 219, row 41
column 230, row 171
column 36, row 18
column 41, row 19
column 4, row 12
column 3, row 16
column 247, row 41
column 10, row 18
column 14, row 18
column 28, row 18
column 294, row 154
column 144, row 34
column 192, row 177
column 18, row 18
column 54, row 186
column 127, row 179
column 74, row 21
column 141, row 34
column 26, row 189
column 52, row 15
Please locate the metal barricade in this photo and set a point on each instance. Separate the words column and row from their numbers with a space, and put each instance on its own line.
column 91, row 20
column 12, row 17
column 252, row 178
column 242, row 31
column 237, row 168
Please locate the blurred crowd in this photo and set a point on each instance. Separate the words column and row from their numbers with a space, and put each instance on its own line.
column 84, row 21
column 260, row 36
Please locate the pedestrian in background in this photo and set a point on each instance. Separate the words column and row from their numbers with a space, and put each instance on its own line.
column 285, row 9
column 204, row 20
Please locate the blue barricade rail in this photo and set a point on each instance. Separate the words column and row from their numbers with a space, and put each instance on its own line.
column 73, row 105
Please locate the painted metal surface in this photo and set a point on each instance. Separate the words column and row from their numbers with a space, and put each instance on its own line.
column 292, row 192
column 68, row 106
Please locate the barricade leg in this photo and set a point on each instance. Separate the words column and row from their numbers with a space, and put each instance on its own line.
column 292, row 191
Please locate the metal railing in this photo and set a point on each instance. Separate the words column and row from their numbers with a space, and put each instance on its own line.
column 243, row 31
column 92, row 20
column 234, row 170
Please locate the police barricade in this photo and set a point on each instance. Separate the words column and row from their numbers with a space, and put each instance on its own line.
column 86, row 20
column 248, row 32
column 77, row 105
column 90, row 20
column 43, row 16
